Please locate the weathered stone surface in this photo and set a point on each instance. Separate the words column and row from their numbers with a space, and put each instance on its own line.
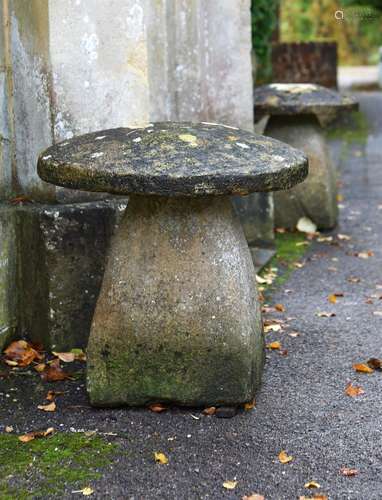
column 173, row 159
column 178, row 318
column 316, row 196
column 300, row 99
column 8, row 274
column 62, row 258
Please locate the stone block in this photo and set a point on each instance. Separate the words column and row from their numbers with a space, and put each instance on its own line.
column 8, row 273
column 62, row 251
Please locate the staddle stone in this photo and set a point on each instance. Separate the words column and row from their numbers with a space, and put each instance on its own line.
column 296, row 114
column 178, row 318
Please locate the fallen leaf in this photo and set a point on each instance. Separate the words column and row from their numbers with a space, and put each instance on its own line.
column 54, row 372
column 294, row 334
column 20, row 200
column 40, row 367
column 375, row 363
column 11, row 363
column 364, row 255
column 8, row 428
column 229, row 485
column 305, row 225
column 280, row 307
column 66, row 357
column 157, row 407
column 284, row 457
column 209, row 411
column 87, row 491
column 363, row 368
column 274, row 345
column 353, row 279
column 272, row 328
column 343, row 237
column 160, row 458
column 324, row 314
column 21, row 353
column 346, row 471
column 311, row 484
column 353, row 390
column 51, row 396
column 253, row 496
column 50, row 407
column 250, row 406
column 25, row 438
column 314, row 497
column 332, row 299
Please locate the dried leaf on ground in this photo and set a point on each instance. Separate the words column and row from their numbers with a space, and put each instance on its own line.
column 324, row 314
column 305, row 225
column 353, row 390
column 253, row 496
column 87, row 491
column 40, row 367
column 160, row 458
column 51, row 396
column 317, row 496
column 332, row 298
column 280, row 307
column 8, row 428
column 274, row 345
column 54, row 372
column 354, row 279
column 66, row 357
column 229, row 485
column 250, row 406
column 284, row 458
column 272, row 328
column 157, row 407
column 311, row 484
column 49, row 407
column 347, row 471
column 364, row 255
column 25, row 438
column 362, row 368
column 209, row 411
column 343, row 237
column 375, row 363
column 21, row 353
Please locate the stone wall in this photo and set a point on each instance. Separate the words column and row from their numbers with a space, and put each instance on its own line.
column 68, row 67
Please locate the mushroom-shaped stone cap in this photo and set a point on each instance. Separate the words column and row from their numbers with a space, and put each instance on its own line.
column 299, row 99
column 173, row 159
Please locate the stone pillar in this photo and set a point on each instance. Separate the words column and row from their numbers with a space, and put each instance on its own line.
column 74, row 66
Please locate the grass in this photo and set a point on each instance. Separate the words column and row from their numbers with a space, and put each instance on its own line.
column 290, row 248
column 354, row 130
column 45, row 468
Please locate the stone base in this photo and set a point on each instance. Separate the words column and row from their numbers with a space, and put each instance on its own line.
column 316, row 197
column 178, row 318
column 8, row 275
column 62, row 251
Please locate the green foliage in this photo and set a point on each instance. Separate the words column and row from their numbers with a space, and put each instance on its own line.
column 358, row 34
column 264, row 18
column 46, row 467
column 290, row 248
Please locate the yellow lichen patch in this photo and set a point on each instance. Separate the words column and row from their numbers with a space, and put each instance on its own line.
column 232, row 138
column 189, row 138
column 272, row 100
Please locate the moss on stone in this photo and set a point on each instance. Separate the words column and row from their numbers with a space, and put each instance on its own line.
column 48, row 467
column 354, row 130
